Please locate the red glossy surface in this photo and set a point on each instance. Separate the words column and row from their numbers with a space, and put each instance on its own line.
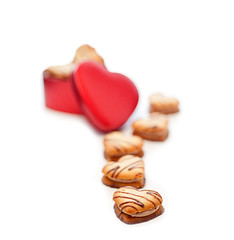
column 107, row 99
column 60, row 95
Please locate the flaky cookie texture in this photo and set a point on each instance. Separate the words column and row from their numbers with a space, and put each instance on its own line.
column 60, row 71
column 153, row 128
column 83, row 53
column 163, row 104
column 157, row 137
column 116, row 157
column 133, row 201
column 87, row 53
column 128, row 168
column 156, row 123
column 117, row 144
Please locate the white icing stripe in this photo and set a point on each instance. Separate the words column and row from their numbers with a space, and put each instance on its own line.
column 142, row 214
column 145, row 213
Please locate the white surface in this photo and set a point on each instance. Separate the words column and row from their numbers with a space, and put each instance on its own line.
column 50, row 162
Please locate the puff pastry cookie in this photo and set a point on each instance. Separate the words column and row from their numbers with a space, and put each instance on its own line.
column 87, row 53
column 135, row 206
column 127, row 171
column 160, row 103
column 83, row 53
column 153, row 128
column 116, row 145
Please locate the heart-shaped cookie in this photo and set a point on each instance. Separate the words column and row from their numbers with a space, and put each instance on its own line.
column 107, row 99
column 153, row 128
column 116, row 145
column 137, row 205
column 163, row 104
column 127, row 171
column 87, row 53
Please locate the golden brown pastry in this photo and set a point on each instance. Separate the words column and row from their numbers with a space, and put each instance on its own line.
column 135, row 206
column 127, row 171
column 160, row 103
column 116, row 145
column 83, row 53
column 153, row 128
column 87, row 53
column 60, row 71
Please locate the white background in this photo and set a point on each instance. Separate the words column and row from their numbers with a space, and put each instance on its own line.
column 50, row 162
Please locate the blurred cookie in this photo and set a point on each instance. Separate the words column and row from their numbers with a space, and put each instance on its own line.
column 153, row 128
column 83, row 53
column 87, row 53
column 136, row 206
column 60, row 71
column 127, row 171
column 160, row 103
column 116, row 145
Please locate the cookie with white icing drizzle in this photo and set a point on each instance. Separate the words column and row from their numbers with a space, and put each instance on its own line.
column 127, row 171
column 153, row 128
column 163, row 104
column 135, row 206
column 116, row 145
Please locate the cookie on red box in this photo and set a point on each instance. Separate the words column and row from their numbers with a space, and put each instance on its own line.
column 87, row 53
column 83, row 53
column 59, row 91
